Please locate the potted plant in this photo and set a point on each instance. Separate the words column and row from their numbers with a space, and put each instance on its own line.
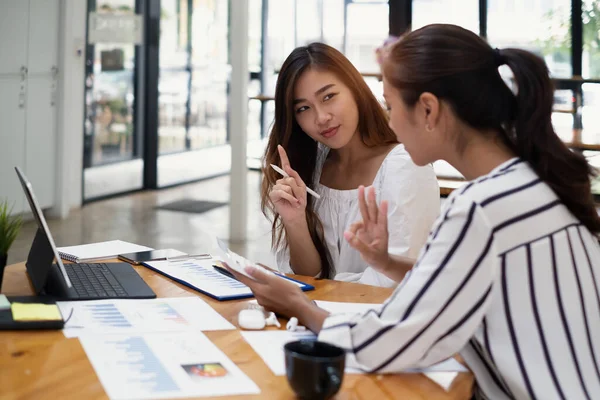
column 9, row 228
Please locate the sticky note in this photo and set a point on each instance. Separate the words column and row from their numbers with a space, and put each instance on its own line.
column 35, row 312
column 4, row 303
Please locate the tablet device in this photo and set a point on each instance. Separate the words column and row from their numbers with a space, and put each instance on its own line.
column 150, row 255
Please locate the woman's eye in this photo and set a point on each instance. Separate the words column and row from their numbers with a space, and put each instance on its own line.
column 329, row 96
column 303, row 108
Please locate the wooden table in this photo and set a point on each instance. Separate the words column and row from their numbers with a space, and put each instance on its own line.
column 44, row 364
column 580, row 139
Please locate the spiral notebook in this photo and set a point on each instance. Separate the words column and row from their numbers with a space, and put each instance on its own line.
column 99, row 251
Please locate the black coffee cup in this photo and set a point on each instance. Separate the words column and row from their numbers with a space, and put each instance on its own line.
column 315, row 370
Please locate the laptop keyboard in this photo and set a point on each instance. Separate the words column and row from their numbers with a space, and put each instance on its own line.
column 94, row 280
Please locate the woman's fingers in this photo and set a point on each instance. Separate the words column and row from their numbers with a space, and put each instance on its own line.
column 355, row 227
column 382, row 218
column 372, row 205
column 297, row 190
column 251, row 283
column 285, row 188
column 285, row 161
column 358, row 244
column 281, row 194
column 296, row 176
column 362, row 204
column 285, row 165
column 289, row 185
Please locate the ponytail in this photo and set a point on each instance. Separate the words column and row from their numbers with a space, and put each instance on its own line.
column 458, row 66
column 534, row 140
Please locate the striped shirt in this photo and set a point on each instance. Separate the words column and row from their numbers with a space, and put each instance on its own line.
column 509, row 279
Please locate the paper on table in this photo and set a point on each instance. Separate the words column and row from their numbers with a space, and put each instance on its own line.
column 448, row 365
column 140, row 316
column 164, row 365
column 444, row 379
column 269, row 346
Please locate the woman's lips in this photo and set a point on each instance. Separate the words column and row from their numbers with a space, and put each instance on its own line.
column 330, row 132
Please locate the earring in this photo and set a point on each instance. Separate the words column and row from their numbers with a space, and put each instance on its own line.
column 428, row 128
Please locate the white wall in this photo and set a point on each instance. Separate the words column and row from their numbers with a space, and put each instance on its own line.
column 73, row 14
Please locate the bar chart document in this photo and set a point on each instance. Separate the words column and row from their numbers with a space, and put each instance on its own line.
column 164, row 365
column 202, row 276
column 140, row 316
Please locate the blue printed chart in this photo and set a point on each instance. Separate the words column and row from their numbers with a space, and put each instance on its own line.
column 201, row 275
column 107, row 315
column 141, row 368
column 164, row 365
column 140, row 316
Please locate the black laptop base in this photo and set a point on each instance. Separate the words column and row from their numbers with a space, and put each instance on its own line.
column 98, row 281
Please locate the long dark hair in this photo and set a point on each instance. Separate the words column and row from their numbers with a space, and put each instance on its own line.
column 301, row 149
column 458, row 66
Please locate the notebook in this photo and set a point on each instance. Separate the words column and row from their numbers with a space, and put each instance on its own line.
column 99, row 251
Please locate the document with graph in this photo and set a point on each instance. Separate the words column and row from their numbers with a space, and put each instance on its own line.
column 205, row 276
column 140, row 316
column 164, row 365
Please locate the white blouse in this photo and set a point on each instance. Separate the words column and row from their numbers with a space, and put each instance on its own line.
column 510, row 279
column 414, row 203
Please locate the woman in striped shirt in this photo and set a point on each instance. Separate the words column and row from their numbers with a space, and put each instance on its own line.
column 510, row 275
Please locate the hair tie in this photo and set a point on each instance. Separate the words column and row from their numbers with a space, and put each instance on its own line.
column 498, row 58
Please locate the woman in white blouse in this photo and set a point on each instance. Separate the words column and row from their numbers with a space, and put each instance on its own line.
column 331, row 132
column 510, row 274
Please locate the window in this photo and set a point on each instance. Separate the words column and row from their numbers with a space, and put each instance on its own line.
column 362, row 38
column 110, row 95
column 194, row 72
column 174, row 76
column 308, row 21
column 543, row 28
column 333, row 23
column 591, row 38
column 463, row 13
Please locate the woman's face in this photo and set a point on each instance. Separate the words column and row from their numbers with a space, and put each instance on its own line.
column 410, row 126
column 325, row 108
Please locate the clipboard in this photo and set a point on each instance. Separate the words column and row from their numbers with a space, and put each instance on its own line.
column 204, row 286
column 8, row 323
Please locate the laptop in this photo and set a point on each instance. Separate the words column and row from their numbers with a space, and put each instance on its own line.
column 75, row 281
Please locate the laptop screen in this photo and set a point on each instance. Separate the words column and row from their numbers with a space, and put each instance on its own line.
column 43, row 226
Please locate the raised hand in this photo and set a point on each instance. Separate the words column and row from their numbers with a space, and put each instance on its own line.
column 289, row 194
column 370, row 236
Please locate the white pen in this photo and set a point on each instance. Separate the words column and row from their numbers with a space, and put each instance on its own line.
column 285, row 174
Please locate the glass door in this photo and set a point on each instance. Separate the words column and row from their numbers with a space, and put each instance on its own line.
column 193, row 89
column 112, row 142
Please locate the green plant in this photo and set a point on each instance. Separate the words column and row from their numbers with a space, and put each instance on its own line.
column 9, row 227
